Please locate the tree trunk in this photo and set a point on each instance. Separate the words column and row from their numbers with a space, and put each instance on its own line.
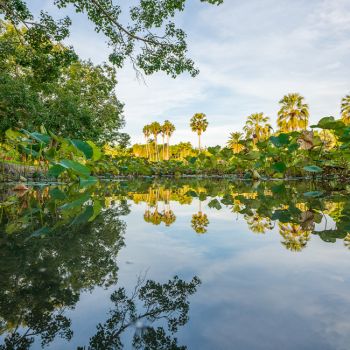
column 156, row 147
column 147, row 147
column 199, row 142
column 163, row 136
column 167, row 147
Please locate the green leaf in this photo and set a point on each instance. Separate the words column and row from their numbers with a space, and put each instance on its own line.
column 214, row 204
column 281, row 215
column 227, row 199
column 191, row 194
column 40, row 232
column 192, row 160
column 89, row 181
column 313, row 169
column 56, row 193
column 77, row 203
column 279, row 167
column 202, row 196
column 281, row 140
column 97, row 210
column 329, row 123
column 37, row 136
column 281, row 188
column 84, row 217
column 97, row 153
column 76, row 167
column 83, row 147
column 13, row 135
column 56, row 170
column 314, row 194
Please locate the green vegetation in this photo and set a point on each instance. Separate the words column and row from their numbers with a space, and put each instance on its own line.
column 143, row 33
column 294, row 207
column 50, row 86
column 60, row 118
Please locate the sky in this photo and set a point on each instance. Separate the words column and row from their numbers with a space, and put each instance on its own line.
column 250, row 53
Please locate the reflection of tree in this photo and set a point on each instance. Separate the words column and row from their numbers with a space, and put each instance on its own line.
column 258, row 223
column 42, row 277
column 347, row 241
column 168, row 217
column 155, row 217
column 295, row 237
column 163, row 303
column 200, row 221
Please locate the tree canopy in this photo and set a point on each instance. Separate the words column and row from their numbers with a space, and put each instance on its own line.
column 50, row 86
column 144, row 33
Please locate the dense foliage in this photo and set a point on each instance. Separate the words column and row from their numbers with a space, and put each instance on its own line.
column 145, row 33
column 50, row 86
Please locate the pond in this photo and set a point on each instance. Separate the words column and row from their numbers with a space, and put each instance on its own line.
column 187, row 264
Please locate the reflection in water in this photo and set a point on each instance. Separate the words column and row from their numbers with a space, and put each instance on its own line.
column 162, row 303
column 57, row 242
column 165, row 308
column 42, row 278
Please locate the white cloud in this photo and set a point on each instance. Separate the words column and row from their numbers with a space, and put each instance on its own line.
column 250, row 54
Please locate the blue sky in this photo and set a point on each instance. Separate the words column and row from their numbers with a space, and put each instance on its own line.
column 250, row 53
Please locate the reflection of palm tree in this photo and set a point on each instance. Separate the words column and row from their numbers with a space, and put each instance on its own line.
column 347, row 241
column 168, row 217
column 294, row 113
column 200, row 221
column 295, row 237
column 258, row 224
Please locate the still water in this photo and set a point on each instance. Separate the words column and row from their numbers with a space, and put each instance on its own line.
column 176, row 265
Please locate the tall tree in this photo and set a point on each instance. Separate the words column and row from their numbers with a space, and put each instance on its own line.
column 147, row 133
column 234, row 142
column 163, row 134
column 257, row 127
column 345, row 110
column 294, row 113
column 199, row 124
column 143, row 32
column 155, row 129
column 169, row 129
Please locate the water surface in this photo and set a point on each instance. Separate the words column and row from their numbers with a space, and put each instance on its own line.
column 174, row 265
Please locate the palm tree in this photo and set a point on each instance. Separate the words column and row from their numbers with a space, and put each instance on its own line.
column 162, row 133
column 295, row 237
column 345, row 110
column 257, row 126
column 147, row 133
column 168, row 128
column 199, row 124
column 234, row 142
column 155, row 129
column 294, row 113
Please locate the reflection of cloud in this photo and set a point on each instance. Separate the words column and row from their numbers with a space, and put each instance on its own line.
column 255, row 293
